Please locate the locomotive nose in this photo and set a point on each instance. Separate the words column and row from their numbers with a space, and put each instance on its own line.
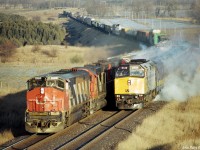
column 40, row 99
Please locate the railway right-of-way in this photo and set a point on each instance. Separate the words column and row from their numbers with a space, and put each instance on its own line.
column 102, row 130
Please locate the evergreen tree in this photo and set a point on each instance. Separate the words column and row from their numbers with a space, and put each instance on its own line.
column 16, row 27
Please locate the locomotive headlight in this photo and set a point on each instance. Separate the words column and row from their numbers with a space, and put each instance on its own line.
column 118, row 95
column 42, row 90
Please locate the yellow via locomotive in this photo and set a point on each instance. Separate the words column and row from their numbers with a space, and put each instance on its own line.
column 137, row 82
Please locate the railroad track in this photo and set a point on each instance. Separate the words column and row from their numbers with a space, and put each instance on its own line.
column 120, row 131
column 111, row 126
column 82, row 139
column 25, row 142
column 55, row 141
column 117, row 126
column 102, row 130
column 13, row 142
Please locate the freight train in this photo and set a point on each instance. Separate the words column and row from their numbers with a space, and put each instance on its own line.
column 58, row 99
column 137, row 82
column 150, row 37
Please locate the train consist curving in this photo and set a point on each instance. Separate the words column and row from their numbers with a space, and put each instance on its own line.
column 150, row 37
column 58, row 99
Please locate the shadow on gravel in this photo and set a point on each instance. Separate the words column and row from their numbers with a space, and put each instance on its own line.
column 12, row 111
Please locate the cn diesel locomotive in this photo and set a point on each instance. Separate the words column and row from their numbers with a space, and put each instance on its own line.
column 58, row 99
column 137, row 82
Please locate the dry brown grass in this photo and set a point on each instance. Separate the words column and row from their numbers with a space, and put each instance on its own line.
column 175, row 126
column 178, row 19
column 44, row 15
column 42, row 59
column 56, row 54
column 6, row 136
column 190, row 35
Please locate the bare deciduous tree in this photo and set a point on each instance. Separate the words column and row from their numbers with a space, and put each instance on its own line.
column 195, row 10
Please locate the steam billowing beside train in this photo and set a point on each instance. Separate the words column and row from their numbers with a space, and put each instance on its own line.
column 137, row 82
column 58, row 99
column 150, row 37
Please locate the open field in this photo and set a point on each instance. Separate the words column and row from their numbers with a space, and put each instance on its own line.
column 176, row 126
column 30, row 61
column 46, row 16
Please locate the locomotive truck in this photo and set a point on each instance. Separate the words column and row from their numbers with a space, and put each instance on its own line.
column 58, row 99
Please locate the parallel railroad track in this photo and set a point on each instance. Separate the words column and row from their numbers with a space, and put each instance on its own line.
column 103, row 130
column 95, row 131
column 120, row 131
column 26, row 142
column 57, row 140
column 13, row 142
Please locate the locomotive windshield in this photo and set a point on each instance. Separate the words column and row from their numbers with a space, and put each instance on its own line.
column 36, row 83
column 136, row 71
column 55, row 83
column 122, row 71
column 33, row 83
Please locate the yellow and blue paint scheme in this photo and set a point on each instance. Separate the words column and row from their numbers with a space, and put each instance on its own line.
column 136, row 83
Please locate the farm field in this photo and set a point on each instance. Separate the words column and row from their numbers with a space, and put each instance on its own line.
column 28, row 62
column 175, row 126
column 145, row 24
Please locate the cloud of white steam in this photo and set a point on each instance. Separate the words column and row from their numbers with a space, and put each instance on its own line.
column 182, row 69
column 183, row 80
column 179, row 88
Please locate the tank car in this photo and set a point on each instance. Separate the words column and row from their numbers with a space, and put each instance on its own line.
column 137, row 82
column 58, row 99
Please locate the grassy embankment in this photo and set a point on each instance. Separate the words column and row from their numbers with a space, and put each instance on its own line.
column 176, row 126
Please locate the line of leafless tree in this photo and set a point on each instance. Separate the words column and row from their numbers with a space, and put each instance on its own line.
column 127, row 8
column 195, row 13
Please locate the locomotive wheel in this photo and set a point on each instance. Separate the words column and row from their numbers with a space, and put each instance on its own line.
column 85, row 110
column 66, row 120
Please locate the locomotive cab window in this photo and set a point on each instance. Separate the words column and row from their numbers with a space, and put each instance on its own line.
column 55, row 83
column 137, row 71
column 33, row 83
column 51, row 83
column 122, row 71
column 61, row 84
